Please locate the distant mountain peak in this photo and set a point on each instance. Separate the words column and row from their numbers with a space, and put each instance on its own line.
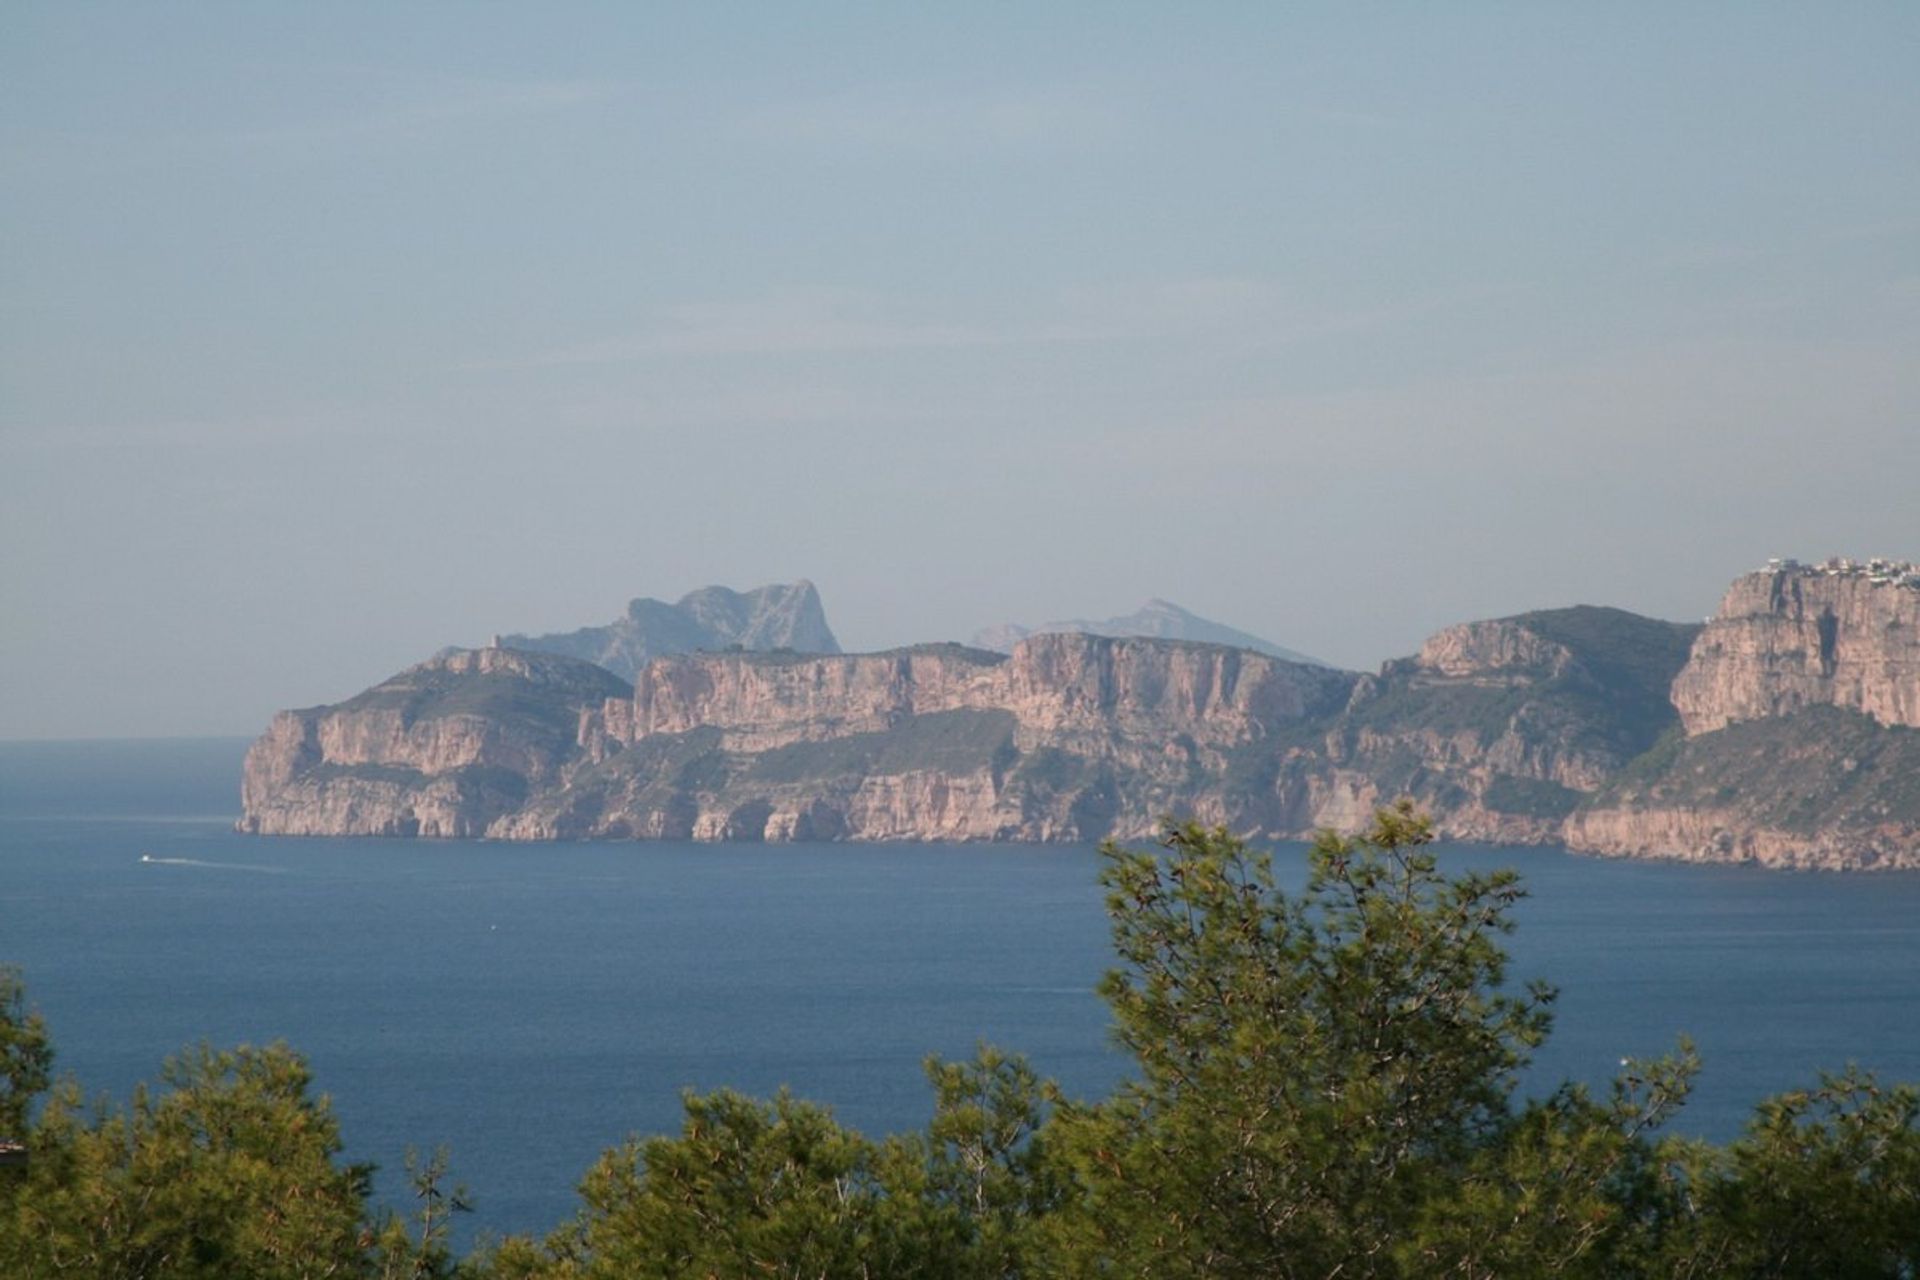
column 778, row 616
column 1158, row 618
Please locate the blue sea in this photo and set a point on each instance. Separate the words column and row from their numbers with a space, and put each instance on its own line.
column 530, row 1005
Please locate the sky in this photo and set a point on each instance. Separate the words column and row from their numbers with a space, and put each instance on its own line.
column 333, row 334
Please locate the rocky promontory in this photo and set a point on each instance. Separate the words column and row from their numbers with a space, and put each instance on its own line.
column 1799, row 743
column 1499, row 728
column 1788, row 638
column 442, row 749
column 1781, row 733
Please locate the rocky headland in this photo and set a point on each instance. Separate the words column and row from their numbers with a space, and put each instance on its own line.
column 1799, row 735
column 1783, row 733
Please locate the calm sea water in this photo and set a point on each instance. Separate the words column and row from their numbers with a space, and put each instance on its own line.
column 530, row 1005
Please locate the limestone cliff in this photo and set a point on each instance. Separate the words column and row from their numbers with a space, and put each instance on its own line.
column 1073, row 736
column 1789, row 638
column 1496, row 726
column 1821, row 787
column 1556, row 726
column 442, row 749
column 763, row 701
column 1799, row 703
column 1499, row 729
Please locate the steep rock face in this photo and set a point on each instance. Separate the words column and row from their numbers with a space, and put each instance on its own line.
column 787, row 616
column 1731, row 835
column 1799, row 704
column 1055, row 685
column 1543, row 727
column 763, row 702
column 1792, row 638
column 1505, row 650
column 440, row 749
column 1498, row 727
column 1073, row 736
column 1076, row 683
column 1501, row 728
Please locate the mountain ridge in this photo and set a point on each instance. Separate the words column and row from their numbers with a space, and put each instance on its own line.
column 777, row 616
column 1158, row 618
column 1556, row 726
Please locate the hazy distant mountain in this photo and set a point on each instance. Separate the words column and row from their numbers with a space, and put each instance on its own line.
column 1161, row 619
column 783, row 616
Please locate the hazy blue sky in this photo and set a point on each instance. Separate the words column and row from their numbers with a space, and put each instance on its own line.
column 330, row 334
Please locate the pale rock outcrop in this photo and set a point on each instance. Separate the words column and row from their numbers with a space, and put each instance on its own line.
column 443, row 748
column 1788, row 639
column 1731, row 835
column 1070, row 683
column 1546, row 727
column 1502, row 650
column 759, row 703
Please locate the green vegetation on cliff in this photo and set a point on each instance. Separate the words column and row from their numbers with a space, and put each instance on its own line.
column 1498, row 732
column 1819, row 769
column 1533, row 797
column 1613, row 697
column 1325, row 1084
column 1636, row 655
column 962, row 741
column 548, row 694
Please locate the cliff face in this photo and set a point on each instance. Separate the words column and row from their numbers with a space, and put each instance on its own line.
column 1499, row 729
column 440, row 749
column 1056, row 686
column 1820, row 787
column 1072, row 737
column 1063, row 685
column 1789, row 639
column 762, row 702
column 1799, row 704
column 1546, row 727
column 786, row 616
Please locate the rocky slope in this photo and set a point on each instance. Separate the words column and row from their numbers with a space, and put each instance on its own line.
column 1071, row 737
column 1156, row 619
column 1498, row 727
column 786, row 616
column 1558, row 726
column 1819, row 788
column 1798, row 745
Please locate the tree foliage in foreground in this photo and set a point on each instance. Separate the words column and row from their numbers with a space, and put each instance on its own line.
column 1325, row 1084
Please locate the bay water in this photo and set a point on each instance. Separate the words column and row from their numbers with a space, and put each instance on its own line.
column 530, row 1005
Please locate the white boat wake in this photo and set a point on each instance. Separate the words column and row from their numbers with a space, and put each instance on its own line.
column 218, row 866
